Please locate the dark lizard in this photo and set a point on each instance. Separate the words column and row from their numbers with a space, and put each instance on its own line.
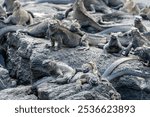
column 95, row 79
column 84, row 18
column 115, row 29
column 36, row 30
column 115, row 4
column 144, row 54
column 96, row 6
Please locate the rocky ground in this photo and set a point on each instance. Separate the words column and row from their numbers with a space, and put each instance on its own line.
column 24, row 60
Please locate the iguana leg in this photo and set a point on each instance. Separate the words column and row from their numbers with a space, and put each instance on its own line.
column 127, row 50
column 85, row 45
column 51, row 43
column 105, row 48
column 100, row 21
column 83, row 48
column 22, row 22
column 79, row 83
column 56, row 46
column 59, row 72
column 59, row 43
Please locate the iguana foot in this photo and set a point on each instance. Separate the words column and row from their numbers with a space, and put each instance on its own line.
column 18, row 33
column 83, row 48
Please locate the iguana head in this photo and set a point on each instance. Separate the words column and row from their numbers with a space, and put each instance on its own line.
column 113, row 39
column 135, row 32
column 16, row 5
column 145, row 10
column 49, row 65
column 53, row 26
column 141, row 53
column 90, row 67
column 138, row 20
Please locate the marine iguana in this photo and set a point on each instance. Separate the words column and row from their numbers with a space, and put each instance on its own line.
column 144, row 54
column 139, row 25
column 36, row 30
column 96, row 6
column 104, row 76
column 84, row 18
column 60, row 35
column 114, row 46
column 130, row 7
column 115, row 4
column 19, row 15
column 138, row 39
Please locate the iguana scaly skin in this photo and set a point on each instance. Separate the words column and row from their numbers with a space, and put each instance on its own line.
column 138, row 39
column 83, row 17
column 139, row 25
column 72, row 39
column 92, row 40
column 117, row 15
column 96, row 6
column 146, row 35
column 7, row 29
column 115, row 46
column 116, row 4
column 116, row 29
column 19, row 16
column 36, row 30
column 144, row 54
column 61, row 35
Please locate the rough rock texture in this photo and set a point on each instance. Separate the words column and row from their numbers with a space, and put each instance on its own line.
column 5, row 80
column 25, row 55
column 18, row 93
column 51, row 91
column 64, row 92
column 32, row 51
column 30, row 54
column 131, row 88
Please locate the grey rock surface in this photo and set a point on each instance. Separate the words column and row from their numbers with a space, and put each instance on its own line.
column 5, row 79
column 25, row 55
column 18, row 93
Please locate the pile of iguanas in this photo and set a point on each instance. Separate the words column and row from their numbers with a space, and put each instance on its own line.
column 83, row 31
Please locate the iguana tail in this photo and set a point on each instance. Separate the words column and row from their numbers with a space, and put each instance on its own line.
column 30, row 19
column 114, row 65
column 7, row 29
column 128, row 72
